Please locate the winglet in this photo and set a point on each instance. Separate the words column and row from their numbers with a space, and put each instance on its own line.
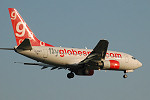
column 98, row 53
column 25, row 45
column 101, row 48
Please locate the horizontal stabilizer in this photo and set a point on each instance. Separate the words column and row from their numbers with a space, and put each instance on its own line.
column 6, row 48
column 25, row 45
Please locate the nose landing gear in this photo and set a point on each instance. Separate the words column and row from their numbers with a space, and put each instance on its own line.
column 125, row 75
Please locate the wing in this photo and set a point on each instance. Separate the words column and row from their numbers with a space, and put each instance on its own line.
column 43, row 65
column 98, row 53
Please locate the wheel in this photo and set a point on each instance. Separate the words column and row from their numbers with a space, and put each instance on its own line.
column 70, row 75
column 125, row 76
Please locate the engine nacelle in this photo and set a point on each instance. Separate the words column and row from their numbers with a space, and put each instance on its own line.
column 84, row 72
column 109, row 64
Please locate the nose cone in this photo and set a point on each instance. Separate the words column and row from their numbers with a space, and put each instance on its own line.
column 139, row 64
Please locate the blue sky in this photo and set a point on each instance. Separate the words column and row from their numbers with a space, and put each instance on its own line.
column 77, row 23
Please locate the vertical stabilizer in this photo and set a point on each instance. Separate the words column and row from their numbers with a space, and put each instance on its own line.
column 22, row 31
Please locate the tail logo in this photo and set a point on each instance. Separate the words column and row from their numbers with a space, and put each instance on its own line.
column 13, row 15
column 42, row 43
column 20, row 26
column 20, row 41
column 22, row 31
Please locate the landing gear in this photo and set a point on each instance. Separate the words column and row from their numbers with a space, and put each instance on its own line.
column 70, row 75
column 125, row 75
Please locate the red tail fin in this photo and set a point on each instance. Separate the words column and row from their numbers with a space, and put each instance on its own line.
column 22, row 31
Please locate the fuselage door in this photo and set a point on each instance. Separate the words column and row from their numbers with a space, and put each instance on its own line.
column 45, row 53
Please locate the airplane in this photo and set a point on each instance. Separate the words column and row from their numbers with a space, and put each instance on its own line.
column 81, row 62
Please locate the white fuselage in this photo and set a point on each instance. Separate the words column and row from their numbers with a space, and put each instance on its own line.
column 72, row 56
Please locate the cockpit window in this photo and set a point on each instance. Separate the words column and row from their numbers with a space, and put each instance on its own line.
column 133, row 58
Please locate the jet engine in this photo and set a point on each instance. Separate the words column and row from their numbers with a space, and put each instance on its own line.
column 109, row 64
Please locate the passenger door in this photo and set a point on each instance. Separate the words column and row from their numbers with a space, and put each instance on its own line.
column 45, row 53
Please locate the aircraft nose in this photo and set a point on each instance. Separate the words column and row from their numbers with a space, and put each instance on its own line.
column 139, row 64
